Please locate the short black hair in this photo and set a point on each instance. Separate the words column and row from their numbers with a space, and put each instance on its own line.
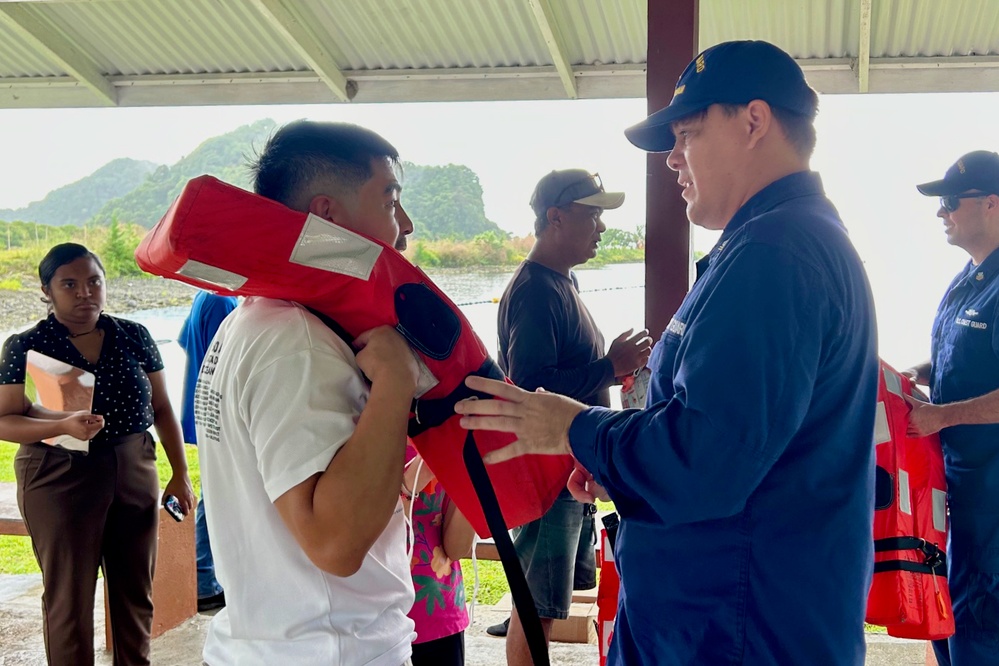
column 798, row 128
column 60, row 255
column 303, row 151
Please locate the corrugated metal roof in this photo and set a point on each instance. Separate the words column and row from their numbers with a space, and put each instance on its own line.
column 141, row 52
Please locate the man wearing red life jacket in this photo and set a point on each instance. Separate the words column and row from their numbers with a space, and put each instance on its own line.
column 963, row 376
column 301, row 460
column 745, row 485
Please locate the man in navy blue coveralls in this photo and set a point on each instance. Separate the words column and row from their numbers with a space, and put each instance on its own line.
column 745, row 486
column 963, row 376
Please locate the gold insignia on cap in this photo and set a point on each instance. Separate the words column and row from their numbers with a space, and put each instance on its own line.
column 979, row 276
column 699, row 64
column 679, row 89
column 960, row 166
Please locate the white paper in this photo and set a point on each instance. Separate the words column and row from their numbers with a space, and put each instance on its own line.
column 62, row 387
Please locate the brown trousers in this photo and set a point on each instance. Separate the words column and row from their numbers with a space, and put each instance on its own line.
column 88, row 511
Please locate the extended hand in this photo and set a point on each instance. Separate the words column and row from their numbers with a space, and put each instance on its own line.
column 83, row 425
column 540, row 420
column 924, row 418
column 629, row 352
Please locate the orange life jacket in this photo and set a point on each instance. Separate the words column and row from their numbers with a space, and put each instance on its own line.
column 909, row 593
column 222, row 238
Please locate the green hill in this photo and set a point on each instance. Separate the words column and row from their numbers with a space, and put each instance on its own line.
column 77, row 202
column 444, row 201
column 224, row 157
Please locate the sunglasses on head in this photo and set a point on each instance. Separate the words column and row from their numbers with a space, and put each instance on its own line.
column 580, row 187
column 952, row 202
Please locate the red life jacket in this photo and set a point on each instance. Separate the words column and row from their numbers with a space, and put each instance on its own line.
column 607, row 593
column 909, row 593
column 222, row 238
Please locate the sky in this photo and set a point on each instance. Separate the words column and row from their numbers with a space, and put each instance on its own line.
column 872, row 150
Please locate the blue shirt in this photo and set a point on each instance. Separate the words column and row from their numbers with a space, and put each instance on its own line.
column 965, row 364
column 207, row 312
column 746, row 485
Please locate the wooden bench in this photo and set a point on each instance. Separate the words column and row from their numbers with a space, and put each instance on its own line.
column 175, row 593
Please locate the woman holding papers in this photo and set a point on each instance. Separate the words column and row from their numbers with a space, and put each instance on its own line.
column 86, row 475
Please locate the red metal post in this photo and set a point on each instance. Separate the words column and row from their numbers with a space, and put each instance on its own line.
column 673, row 27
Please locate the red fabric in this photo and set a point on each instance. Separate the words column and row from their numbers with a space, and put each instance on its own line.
column 228, row 228
column 910, row 605
column 607, row 592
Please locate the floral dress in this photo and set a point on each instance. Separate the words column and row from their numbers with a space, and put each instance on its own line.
column 439, row 609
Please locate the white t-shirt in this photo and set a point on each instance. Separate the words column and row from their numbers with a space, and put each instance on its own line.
column 279, row 393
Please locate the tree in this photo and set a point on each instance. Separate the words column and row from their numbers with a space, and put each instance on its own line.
column 118, row 251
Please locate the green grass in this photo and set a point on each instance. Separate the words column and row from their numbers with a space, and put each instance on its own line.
column 15, row 551
column 492, row 581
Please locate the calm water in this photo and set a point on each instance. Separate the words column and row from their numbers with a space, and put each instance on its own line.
column 614, row 294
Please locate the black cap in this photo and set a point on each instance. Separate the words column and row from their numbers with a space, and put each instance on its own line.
column 728, row 73
column 978, row 170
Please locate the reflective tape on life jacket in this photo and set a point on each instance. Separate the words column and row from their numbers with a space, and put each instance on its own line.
column 909, row 593
column 219, row 237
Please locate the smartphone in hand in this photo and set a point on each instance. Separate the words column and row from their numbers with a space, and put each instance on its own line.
column 172, row 506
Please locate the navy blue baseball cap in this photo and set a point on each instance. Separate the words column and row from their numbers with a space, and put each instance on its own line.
column 978, row 170
column 728, row 73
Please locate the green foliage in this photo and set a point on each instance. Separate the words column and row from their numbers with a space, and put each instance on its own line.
column 491, row 248
column 445, row 202
column 423, row 256
column 619, row 239
column 77, row 202
column 118, row 251
column 224, row 157
column 10, row 284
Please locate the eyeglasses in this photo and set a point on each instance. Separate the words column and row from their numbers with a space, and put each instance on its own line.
column 952, row 202
column 579, row 189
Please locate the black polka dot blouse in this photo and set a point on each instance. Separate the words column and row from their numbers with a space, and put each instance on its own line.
column 122, row 394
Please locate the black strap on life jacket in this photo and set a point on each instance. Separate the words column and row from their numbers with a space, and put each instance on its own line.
column 430, row 413
column 934, row 559
column 523, row 600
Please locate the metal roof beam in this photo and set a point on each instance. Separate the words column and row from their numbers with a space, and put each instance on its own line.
column 300, row 37
column 864, row 47
column 70, row 56
column 545, row 19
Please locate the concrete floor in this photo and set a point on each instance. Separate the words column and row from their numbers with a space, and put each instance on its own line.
column 21, row 641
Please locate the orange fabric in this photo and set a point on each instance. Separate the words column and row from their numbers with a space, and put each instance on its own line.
column 909, row 604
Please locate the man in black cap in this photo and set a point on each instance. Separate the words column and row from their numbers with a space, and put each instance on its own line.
column 963, row 376
column 745, row 486
column 547, row 339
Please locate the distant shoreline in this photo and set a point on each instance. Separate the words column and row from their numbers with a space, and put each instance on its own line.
column 22, row 308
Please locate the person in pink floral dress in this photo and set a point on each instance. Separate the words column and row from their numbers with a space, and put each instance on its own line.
column 441, row 536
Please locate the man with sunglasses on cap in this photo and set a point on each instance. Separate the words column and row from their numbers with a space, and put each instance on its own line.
column 547, row 339
column 745, row 486
column 963, row 376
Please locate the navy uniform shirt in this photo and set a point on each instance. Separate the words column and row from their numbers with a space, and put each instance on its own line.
column 746, row 485
column 122, row 393
column 965, row 364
